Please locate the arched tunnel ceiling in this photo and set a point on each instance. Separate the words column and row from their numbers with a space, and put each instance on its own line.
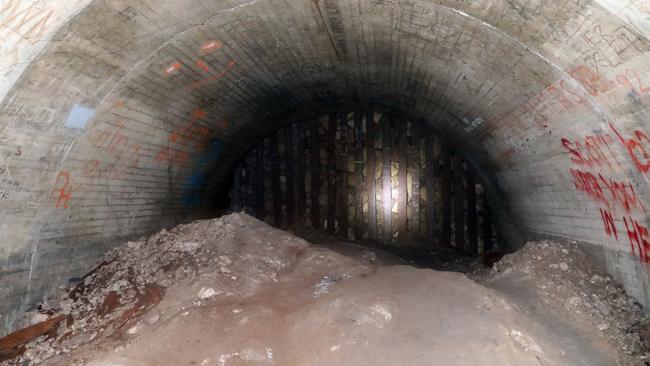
column 133, row 105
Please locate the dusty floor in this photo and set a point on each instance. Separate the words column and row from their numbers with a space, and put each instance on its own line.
column 234, row 291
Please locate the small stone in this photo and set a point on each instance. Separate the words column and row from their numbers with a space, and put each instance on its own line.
column 207, row 292
column 564, row 266
column 574, row 301
column 603, row 326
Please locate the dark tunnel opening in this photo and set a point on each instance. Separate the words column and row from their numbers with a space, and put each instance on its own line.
column 383, row 180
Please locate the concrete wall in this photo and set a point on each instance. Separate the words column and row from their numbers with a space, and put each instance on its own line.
column 133, row 112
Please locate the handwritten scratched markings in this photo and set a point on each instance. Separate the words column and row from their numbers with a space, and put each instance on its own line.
column 63, row 190
column 30, row 22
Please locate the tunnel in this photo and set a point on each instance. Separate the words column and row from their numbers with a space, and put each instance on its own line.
column 488, row 124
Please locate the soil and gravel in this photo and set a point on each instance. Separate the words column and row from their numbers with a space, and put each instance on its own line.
column 235, row 291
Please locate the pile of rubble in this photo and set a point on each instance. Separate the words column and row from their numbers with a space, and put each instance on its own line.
column 131, row 279
column 235, row 291
column 566, row 280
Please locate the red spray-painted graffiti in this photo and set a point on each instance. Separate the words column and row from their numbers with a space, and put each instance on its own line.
column 592, row 151
column 608, row 221
column 635, row 148
column 638, row 236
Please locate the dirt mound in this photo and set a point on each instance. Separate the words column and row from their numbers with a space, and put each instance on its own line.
column 567, row 283
column 234, row 291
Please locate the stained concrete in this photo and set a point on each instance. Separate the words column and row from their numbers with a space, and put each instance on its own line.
column 548, row 98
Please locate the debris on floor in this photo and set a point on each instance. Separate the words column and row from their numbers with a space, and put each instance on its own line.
column 567, row 282
column 234, row 291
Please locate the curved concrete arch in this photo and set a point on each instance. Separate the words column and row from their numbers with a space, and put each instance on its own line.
column 132, row 102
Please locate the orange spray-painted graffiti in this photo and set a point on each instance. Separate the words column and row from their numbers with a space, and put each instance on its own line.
column 63, row 190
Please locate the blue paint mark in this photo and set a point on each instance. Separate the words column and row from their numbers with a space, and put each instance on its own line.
column 79, row 116
column 195, row 184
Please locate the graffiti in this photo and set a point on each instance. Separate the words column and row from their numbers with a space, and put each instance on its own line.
column 203, row 66
column 593, row 83
column 198, row 84
column 191, row 135
column 209, row 47
column 191, row 131
column 591, row 151
column 631, row 80
column 63, row 190
column 620, row 193
column 602, row 48
column 608, row 221
column 115, row 153
column 172, row 69
column 173, row 156
column 635, row 148
column 638, row 236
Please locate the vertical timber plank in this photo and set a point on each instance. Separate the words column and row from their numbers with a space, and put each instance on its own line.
column 259, row 182
column 275, row 180
column 445, row 195
column 315, row 175
column 414, row 160
column 386, row 187
column 358, row 174
column 299, row 153
column 238, row 188
column 402, row 189
column 342, row 179
column 488, row 245
column 472, row 232
column 370, row 176
column 331, row 174
column 430, row 169
column 459, row 203
column 290, row 176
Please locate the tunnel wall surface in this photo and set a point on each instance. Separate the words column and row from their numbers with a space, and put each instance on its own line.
column 112, row 125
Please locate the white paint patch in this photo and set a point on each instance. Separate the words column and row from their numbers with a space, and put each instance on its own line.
column 78, row 117
column 26, row 26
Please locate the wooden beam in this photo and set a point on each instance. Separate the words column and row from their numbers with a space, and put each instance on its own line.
column 472, row 232
column 459, row 203
column 387, row 201
column 342, row 167
column 275, row 180
column 414, row 161
column 259, row 182
column 331, row 174
column 290, row 178
column 430, row 169
column 445, row 195
column 299, row 153
column 402, row 196
column 358, row 175
column 315, row 175
column 238, row 188
column 371, row 176
column 488, row 244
